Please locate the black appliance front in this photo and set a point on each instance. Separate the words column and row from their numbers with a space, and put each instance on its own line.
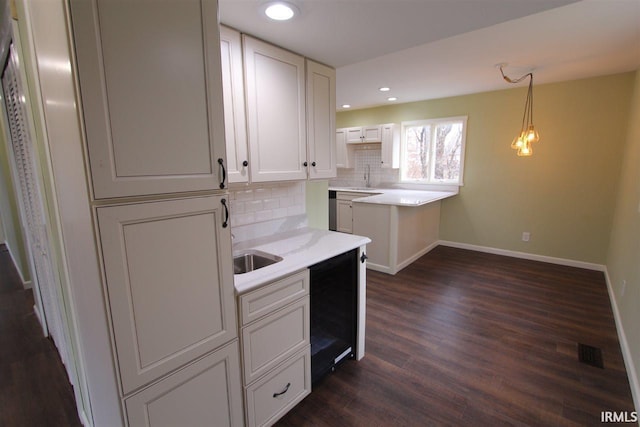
column 334, row 294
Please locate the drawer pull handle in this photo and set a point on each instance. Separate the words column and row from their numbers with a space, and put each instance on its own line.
column 286, row 389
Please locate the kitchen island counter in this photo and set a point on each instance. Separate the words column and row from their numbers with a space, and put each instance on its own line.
column 395, row 197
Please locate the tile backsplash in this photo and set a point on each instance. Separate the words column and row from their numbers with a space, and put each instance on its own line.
column 371, row 156
column 264, row 202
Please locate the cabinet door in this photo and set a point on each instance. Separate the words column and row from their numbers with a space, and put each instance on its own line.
column 354, row 135
column 235, row 122
column 169, row 279
column 390, row 146
column 151, row 89
column 341, row 149
column 345, row 216
column 276, row 116
column 372, row 133
column 321, row 120
column 206, row 393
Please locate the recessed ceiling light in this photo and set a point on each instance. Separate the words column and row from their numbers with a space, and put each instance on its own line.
column 392, row 98
column 280, row 11
column 384, row 89
column 346, row 105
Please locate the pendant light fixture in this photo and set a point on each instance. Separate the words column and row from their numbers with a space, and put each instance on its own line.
column 528, row 134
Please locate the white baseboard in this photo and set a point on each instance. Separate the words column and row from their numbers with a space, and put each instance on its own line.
column 525, row 255
column 378, row 267
column 624, row 345
column 414, row 257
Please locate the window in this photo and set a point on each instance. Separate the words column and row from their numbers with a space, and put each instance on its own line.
column 432, row 151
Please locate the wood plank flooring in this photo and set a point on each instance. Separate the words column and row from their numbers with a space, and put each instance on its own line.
column 34, row 390
column 466, row 338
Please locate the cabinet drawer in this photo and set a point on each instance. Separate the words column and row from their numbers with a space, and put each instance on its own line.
column 274, row 296
column 274, row 395
column 274, row 338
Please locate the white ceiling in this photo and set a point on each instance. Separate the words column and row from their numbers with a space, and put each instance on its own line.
column 426, row 49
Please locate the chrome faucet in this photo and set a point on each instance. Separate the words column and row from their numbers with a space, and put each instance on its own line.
column 367, row 175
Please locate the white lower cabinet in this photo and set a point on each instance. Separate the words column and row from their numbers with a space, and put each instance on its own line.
column 272, row 396
column 276, row 348
column 344, row 210
column 205, row 393
column 169, row 279
column 344, row 216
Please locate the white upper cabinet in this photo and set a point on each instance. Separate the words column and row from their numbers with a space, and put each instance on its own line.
column 364, row 134
column 235, row 121
column 390, row 146
column 342, row 160
column 321, row 120
column 276, row 116
column 151, row 90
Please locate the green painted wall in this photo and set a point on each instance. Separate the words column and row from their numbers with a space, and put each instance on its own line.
column 564, row 195
column 317, row 204
column 624, row 251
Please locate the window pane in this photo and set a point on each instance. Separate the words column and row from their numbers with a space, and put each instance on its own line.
column 418, row 140
column 448, row 146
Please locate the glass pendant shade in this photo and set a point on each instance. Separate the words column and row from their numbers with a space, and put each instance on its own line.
column 525, row 150
column 532, row 134
column 518, row 141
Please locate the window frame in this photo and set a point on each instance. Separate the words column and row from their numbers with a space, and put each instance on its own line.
column 433, row 122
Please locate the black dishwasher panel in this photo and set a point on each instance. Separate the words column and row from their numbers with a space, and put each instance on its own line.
column 334, row 294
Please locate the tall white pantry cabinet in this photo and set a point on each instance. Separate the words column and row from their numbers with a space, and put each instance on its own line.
column 151, row 92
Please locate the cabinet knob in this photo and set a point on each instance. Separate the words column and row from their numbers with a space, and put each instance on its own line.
column 245, row 163
column 313, row 164
column 305, row 164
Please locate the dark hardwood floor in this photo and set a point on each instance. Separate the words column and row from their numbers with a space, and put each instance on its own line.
column 34, row 390
column 466, row 338
column 457, row 338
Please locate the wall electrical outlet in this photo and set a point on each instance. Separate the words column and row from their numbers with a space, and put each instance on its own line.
column 526, row 236
column 624, row 288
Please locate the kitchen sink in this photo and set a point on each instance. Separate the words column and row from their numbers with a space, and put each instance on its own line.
column 251, row 260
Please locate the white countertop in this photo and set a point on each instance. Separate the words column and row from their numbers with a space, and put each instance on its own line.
column 397, row 197
column 299, row 248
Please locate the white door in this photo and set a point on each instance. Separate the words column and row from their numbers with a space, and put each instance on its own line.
column 32, row 208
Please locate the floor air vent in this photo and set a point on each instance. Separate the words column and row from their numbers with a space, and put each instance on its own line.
column 590, row 355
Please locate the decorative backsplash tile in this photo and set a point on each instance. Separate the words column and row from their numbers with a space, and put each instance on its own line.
column 355, row 176
column 265, row 202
